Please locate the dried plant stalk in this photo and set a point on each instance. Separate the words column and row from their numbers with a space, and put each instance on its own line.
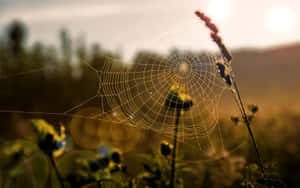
column 229, row 79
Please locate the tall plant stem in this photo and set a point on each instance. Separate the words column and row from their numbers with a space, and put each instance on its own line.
column 178, row 112
column 247, row 122
column 59, row 177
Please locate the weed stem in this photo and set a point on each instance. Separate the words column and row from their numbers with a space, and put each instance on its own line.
column 247, row 122
column 178, row 112
column 59, row 177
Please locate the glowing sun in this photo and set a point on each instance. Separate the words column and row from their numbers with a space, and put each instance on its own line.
column 281, row 19
column 218, row 10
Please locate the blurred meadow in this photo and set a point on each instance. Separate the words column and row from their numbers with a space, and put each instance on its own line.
column 52, row 60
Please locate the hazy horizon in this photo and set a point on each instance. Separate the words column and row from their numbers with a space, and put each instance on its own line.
column 130, row 25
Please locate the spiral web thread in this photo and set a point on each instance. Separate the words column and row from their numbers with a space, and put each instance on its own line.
column 136, row 94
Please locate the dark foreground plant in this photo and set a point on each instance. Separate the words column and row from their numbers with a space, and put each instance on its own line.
column 74, row 169
column 50, row 142
column 254, row 178
column 87, row 168
column 179, row 101
column 157, row 169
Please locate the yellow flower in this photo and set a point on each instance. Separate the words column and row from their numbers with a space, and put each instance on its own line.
column 49, row 140
column 178, row 98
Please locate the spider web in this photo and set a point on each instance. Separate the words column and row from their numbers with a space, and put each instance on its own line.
column 135, row 95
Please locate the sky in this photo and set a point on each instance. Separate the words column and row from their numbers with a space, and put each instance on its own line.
column 130, row 25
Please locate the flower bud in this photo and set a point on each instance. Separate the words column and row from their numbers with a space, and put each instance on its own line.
column 253, row 108
column 165, row 148
column 235, row 119
column 116, row 156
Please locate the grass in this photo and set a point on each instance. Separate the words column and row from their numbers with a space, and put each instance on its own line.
column 24, row 163
column 153, row 169
column 228, row 77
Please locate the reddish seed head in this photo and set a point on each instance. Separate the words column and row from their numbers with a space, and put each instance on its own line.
column 202, row 16
column 214, row 34
column 207, row 21
column 199, row 14
column 216, row 38
column 214, row 28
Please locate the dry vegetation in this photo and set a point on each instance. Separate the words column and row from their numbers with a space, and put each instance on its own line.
column 41, row 78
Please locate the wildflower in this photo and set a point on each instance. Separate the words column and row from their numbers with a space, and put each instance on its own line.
column 178, row 99
column 103, row 151
column 94, row 165
column 103, row 162
column 116, row 156
column 109, row 157
column 253, row 108
column 250, row 118
column 16, row 151
column 115, row 168
column 49, row 141
column 123, row 168
column 235, row 119
column 165, row 148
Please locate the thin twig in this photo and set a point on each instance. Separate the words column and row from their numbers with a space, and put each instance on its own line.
column 59, row 177
column 247, row 122
column 174, row 149
column 226, row 53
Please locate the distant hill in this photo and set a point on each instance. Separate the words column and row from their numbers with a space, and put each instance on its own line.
column 269, row 75
column 278, row 66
